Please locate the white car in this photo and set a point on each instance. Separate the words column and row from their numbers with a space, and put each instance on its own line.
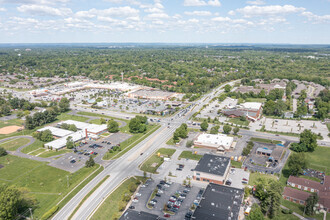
column 138, row 194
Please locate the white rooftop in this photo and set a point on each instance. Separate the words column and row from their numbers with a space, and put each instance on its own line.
column 214, row 140
column 61, row 142
column 251, row 105
column 93, row 128
column 56, row 131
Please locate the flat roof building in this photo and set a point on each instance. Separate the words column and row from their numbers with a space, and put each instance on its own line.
column 57, row 132
column 219, row 203
column 220, row 142
column 212, row 169
column 135, row 215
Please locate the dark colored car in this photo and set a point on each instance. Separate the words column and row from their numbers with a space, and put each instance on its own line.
column 131, row 207
column 72, row 161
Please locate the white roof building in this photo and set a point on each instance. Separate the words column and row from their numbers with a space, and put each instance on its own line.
column 91, row 128
column 61, row 142
column 252, row 105
column 58, row 132
column 214, row 141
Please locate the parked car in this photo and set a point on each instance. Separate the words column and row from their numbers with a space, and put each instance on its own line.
column 131, row 207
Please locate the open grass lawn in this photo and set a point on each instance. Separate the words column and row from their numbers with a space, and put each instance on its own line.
column 18, row 122
column 51, row 153
column 130, row 143
column 100, row 115
column 110, row 207
column 319, row 159
column 282, row 216
column 255, row 100
column 65, row 116
column 152, row 164
column 236, row 164
column 170, row 141
column 190, row 155
column 300, row 209
column 239, row 122
column 265, row 140
column 38, row 151
column 255, row 176
column 13, row 144
column 34, row 146
column 47, row 184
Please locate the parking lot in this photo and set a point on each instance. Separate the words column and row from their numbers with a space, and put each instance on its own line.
column 74, row 161
column 237, row 177
column 291, row 126
column 164, row 196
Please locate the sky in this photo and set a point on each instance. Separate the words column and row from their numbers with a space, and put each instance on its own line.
column 165, row 21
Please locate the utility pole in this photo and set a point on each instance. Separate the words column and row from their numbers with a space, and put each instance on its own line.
column 67, row 178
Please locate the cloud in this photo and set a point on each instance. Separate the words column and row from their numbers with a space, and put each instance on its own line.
column 201, row 3
column 132, row 2
column 221, row 19
column 316, row 18
column 214, row 3
column 38, row 2
column 198, row 13
column 271, row 10
column 256, row 2
column 157, row 15
column 43, row 10
column 3, row 9
column 126, row 11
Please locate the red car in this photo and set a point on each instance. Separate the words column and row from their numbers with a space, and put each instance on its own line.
column 167, row 215
column 245, row 179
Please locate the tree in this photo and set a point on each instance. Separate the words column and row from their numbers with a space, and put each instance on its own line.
column 311, row 202
column 103, row 121
column 307, row 143
column 189, row 143
column 29, row 123
column 13, row 201
column 3, row 152
column 137, row 124
column 226, row 129
column 69, row 143
column 46, row 136
column 236, row 130
column 297, row 162
column 64, row 104
column 113, row 126
column 255, row 213
column 72, row 127
column 215, row 129
column 90, row 162
column 227, row 88
column 204, row 125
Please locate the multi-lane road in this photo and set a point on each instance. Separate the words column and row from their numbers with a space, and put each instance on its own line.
column 126, row 165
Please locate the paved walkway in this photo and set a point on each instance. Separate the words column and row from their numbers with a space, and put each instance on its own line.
column 294, row 213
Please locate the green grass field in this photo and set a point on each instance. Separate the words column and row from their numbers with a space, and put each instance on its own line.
column 51, row 153
column 152, row 164
column 300, row 209
column 319, row 159
column 238, row 121
column 13, row 144
column 130, row 143
column 170, row 141
column 17, row 122
column 255, row 100
column 38, row 151
column 190, row 155
column 47, row 184
column 65, row 116
column 236, row 164
column 34, row 146
column 110, row 207
column 255, row 176
column 265, row 140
